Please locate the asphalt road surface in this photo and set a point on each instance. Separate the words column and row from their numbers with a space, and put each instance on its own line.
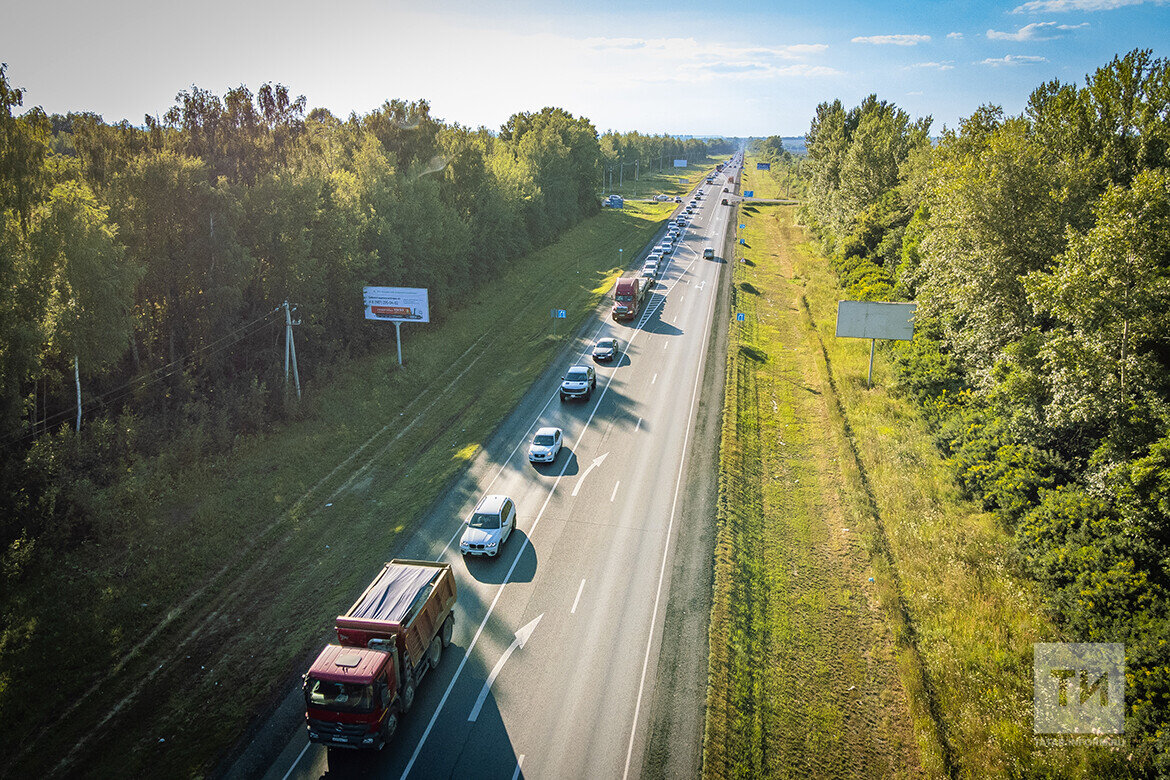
column 559, row 667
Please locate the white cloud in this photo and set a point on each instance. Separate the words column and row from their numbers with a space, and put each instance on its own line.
column 683, row 48
column 1037, row 31
column 1013, row 59
column 956, row 36
column 895, row 40
column 917, row 92
column 1056, row 6
column 944, row 65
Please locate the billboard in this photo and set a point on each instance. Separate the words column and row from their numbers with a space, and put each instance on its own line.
column 874, row 320
column 680, row 163
column 397, row 304
column 763, row 166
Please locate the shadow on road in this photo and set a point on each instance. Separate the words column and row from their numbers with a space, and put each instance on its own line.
column 494, row 570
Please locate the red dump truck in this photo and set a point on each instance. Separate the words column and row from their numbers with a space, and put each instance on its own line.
column 392, row 635
column 627, row 297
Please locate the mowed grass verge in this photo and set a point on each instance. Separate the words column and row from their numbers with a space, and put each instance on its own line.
column 946, row 586
column 803, row 679
column 769, row 185
column 237, row 566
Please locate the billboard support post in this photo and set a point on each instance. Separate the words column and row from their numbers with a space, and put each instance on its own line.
column 398, row 340
column 868, row 380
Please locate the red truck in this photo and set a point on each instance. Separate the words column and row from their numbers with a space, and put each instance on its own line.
column 627, row 297
column 392, row 635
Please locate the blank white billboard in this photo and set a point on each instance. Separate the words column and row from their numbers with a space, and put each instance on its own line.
column 875, row 320
column 397, row 304
column 680, row 163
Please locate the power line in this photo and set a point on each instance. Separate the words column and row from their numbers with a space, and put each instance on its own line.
column 162, row 372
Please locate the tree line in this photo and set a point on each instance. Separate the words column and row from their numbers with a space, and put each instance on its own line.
column 143, row 267
column 658, row 152
column 1037, row 248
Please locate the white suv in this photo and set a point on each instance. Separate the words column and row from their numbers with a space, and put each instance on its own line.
column 489, row 527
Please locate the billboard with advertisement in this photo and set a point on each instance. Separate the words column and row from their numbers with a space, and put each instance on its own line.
column 397, row 304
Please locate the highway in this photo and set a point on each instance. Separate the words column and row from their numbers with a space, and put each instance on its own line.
column 554, row 664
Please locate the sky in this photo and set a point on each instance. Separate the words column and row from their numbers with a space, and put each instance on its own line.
column 683, row 67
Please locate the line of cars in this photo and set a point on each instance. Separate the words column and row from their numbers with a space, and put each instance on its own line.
column 494, row 517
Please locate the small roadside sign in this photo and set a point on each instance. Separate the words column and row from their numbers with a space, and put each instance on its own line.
column 741, row 227
column 749, row 193
column 559, row 314
column 739, row 317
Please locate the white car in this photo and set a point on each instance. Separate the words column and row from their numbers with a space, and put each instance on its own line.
column 665, row 248
column 649, row 269
column 489, row 527
column 546, row 445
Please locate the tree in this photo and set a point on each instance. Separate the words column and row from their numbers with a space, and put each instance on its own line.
column 91, row 287
column 1110, row 295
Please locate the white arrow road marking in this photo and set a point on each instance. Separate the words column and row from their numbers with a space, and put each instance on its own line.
column 521, row 637
column 596, row 462
column 702, row 284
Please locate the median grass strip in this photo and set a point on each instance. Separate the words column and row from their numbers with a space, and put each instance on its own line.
column 951, row 622
column 278, row 536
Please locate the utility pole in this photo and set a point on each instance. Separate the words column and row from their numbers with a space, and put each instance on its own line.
column 77, row 381
column 290, row 349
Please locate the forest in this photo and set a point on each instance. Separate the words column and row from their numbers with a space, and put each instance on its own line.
column 142, row 268
column 1037, row 249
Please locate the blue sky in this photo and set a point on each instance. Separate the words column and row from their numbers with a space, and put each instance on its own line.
column 678, row 66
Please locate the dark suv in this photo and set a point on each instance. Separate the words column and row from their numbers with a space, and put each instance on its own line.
column 578, row 382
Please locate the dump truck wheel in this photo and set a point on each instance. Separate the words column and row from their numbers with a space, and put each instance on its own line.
column 447, row 630
column 407, row 696
column 435, row 653
column 388, row 728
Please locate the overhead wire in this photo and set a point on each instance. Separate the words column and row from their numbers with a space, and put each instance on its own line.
column 156, row 375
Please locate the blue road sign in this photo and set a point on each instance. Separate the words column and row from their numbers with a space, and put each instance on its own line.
column 739, row 317
column 561, row 314
column 743, row 242
column 749, row 193
column 763, row 166
column 741, row 227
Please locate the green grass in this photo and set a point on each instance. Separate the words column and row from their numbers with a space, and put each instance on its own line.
column 803, row 679
column 946, row 585
column 665, row 182
column 778, row 183
column 277, row 537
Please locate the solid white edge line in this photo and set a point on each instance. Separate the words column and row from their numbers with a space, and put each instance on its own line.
column 519, row 763
column 512, row 454
column 294, row 764
column 577, row 600
column 666, row 549
column 507, row 577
